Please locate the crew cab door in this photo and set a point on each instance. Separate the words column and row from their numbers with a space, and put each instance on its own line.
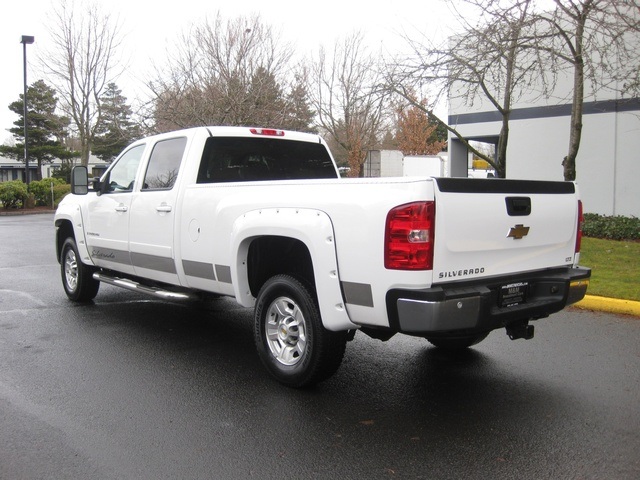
column 153, row 213
column 108, row 213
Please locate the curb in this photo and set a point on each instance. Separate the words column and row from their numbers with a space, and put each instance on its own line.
column 19, row 211
column 611, row 305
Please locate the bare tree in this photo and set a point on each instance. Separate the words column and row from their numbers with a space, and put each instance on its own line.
column 598, row 41
column 629, row 77
column 516, row 49
column 487, row 62
column 230, row 72
column 81, row 62
column 347, row 98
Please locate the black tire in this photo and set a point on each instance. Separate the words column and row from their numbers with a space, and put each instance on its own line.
column 77, row 278
column 457, row 343
column 291, row 341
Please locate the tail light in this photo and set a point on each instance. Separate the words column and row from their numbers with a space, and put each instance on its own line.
column 408, row 238
column 580, row 223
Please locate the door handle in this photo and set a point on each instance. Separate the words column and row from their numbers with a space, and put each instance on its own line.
column 163, row 208
column 122, row 208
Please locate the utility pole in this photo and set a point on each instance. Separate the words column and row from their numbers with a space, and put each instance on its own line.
column 25, row 40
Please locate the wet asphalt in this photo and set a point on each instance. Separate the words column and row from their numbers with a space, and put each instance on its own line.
column 129, row 387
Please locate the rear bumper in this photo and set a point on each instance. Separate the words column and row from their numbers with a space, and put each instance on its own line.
column 474, row 307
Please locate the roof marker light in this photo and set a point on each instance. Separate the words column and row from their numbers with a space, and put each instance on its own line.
column 267, row 131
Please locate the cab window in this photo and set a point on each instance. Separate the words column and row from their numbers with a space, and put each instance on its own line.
column 122, row 176
column 164, row 164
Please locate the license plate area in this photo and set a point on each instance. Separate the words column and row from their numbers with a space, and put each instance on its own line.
column 513, row 294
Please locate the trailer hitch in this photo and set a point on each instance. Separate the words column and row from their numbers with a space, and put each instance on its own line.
column 520, row 329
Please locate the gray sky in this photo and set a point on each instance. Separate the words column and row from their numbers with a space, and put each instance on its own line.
column 150, row 27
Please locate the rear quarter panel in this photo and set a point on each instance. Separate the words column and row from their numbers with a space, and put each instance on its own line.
column 357, row 211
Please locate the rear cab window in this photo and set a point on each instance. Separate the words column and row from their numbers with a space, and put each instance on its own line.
column 247, row 159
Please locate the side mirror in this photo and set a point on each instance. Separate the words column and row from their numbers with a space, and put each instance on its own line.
column 96, row 186
column 79, row 180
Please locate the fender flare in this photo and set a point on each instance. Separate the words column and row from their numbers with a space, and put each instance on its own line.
column 315, row 230
column 73, row 215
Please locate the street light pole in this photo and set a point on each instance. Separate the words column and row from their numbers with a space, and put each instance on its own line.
column 25, row 40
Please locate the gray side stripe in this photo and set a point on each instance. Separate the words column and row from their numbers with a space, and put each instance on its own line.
column 110, row 255
column 153, row 262
column 223, row 272
column 547, row 111
column 198, row 269
column 358, row 293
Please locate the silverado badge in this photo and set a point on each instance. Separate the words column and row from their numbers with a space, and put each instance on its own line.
column 518, row 232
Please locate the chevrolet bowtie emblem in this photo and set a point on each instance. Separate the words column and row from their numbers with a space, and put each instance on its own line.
column 518, row 232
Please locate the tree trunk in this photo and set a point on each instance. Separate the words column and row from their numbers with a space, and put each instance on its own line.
column 501, row 150
column 575, row 132
column 575, row 127
column 84, row 154
column 85, row 143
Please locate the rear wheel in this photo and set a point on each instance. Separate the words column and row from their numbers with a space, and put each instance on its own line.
column 77, row 278
column 457, row 343
column 291, row 341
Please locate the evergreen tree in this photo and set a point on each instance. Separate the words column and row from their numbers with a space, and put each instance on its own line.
column 46, row 130
column 116, row 130
column 299, row 115
column 266, row 96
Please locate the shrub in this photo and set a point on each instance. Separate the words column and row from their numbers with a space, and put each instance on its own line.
column 30, row 201
column 611, row 227
column 60, row 191
column 13, row 194
column 41, row 190
column 63, row 173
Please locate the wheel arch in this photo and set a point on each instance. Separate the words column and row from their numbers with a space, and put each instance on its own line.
column 64, row 230
column 272, row 255
column 298, row 242
column 68, row 223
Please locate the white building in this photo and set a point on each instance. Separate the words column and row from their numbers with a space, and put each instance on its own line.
column 608, row 162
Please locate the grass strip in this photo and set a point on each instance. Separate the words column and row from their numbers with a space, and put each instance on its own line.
column 615, row 267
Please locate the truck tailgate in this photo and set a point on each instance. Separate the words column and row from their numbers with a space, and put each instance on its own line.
column 493, row 227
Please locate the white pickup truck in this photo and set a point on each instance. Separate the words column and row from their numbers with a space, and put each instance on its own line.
column 262, row 215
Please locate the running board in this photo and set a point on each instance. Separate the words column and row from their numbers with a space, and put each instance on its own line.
column 138, row 287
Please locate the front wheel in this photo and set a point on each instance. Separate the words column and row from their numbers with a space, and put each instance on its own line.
column 291, row 341
column 77, row 278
